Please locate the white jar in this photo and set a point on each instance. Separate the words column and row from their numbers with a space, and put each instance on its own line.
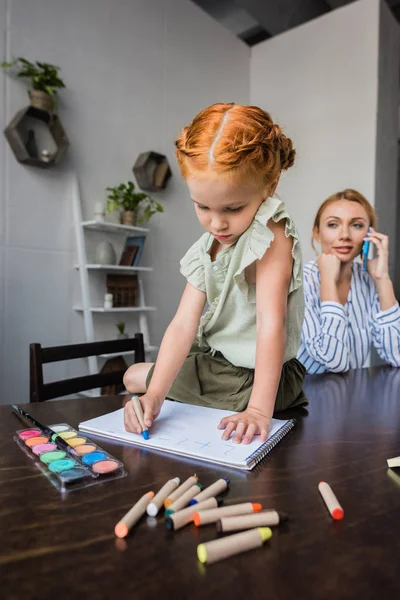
column 108, row 301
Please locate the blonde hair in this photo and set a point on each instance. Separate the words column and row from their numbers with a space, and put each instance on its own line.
column 351, row 196
column 237, row 141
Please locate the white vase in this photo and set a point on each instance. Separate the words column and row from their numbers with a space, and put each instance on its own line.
column 105, row 254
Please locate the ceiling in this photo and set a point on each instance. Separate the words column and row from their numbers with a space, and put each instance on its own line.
column 256, row 20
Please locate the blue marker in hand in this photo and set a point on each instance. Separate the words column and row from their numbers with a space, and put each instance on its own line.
column 364, row 252
column 140, row 416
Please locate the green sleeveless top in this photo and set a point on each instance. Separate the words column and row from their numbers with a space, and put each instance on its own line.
column 229, row 323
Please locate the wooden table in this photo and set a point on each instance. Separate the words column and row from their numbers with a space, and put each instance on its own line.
column 54, row 547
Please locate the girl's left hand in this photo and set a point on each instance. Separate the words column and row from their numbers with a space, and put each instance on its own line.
column 246, row 425
column 378, row 267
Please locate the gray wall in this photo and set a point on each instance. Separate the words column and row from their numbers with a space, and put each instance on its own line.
column 387, row 128
column 3, row 25
column 136, row 72
column 320, row 82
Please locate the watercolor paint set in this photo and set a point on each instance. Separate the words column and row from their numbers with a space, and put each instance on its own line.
column 84, row 464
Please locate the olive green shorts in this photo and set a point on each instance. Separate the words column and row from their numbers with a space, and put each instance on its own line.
column 211, row 380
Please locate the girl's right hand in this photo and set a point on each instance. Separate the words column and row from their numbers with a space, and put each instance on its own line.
column 151, row 409
column 329, row 267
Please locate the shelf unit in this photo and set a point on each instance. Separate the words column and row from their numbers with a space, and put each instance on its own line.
column 116, row 268
column 85, row 269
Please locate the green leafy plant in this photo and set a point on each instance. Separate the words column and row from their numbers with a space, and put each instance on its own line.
column 43, row 76
column 124, row 197
column 121, row 327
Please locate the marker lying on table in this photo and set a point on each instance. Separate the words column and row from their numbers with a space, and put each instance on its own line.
column 163, row 493
column 265, row 518
column 132, row 516
column 180, row 490
column 212, row 490
column 204, row 517
column 233, row 544
column 140, row 416
column 184, row 500
column 331, row 501
column 179, row 519
column 53, row 435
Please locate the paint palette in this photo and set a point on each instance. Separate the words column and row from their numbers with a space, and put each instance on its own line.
column 92, row 464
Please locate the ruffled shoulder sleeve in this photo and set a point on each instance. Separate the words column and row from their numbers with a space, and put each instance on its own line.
column 258, row 238
column 192, row 264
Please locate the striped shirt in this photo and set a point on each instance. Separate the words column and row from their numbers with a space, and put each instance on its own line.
column 338, row 338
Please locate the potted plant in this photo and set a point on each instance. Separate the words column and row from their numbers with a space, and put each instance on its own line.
column 44, row 81
column 121, row 331
column 124, row 198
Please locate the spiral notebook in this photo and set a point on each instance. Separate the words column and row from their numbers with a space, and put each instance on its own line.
column 191, row 431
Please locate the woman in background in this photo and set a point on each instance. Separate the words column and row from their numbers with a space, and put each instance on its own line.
column 347, row 308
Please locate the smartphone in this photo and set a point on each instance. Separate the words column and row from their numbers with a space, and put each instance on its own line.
column 365, row 252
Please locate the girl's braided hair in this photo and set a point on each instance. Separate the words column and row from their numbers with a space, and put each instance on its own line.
column 235, row 140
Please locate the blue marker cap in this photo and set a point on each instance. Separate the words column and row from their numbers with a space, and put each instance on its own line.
column 145, row 434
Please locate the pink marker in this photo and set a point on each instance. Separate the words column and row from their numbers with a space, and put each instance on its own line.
column 331, row 501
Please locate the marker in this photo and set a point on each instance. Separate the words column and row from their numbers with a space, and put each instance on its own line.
column 132, row 517
column 233, row 544
column 203, row 517
column 184, row 500
column 158, row 500
column 179, row 519
column 212, row 490
column 54, row 437
column 265, row 518
column 140, row 416
column 180, row 490
column 331, row 501
column 364, row 253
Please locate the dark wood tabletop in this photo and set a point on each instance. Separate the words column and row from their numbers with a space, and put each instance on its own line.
column 64, row 547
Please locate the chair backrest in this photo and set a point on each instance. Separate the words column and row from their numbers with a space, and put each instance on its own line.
column 38, row 356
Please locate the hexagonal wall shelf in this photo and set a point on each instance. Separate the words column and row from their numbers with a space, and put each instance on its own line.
column 152, row 171
column 36, row 137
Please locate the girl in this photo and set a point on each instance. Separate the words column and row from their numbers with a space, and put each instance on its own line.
column 347, row 307
column 247, row 267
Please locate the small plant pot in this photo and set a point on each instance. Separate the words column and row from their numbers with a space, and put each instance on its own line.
column 122, row 336
column 128, row 217
column 41, row 100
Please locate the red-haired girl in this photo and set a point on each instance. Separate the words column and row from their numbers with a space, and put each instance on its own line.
column 239, row 355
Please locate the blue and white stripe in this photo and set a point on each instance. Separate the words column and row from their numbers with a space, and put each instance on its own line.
column 338, row 338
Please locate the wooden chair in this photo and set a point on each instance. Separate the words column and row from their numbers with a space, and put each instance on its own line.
column 39, row 391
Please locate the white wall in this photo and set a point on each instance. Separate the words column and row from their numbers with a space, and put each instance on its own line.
column 319, row 81
column 136, row 72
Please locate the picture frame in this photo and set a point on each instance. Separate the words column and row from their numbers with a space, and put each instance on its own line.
column 128, row 255
column 136, row 240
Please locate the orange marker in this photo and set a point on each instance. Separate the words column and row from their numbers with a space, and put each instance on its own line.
column 132, row 517
column 331, row 501
column 203, row 517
